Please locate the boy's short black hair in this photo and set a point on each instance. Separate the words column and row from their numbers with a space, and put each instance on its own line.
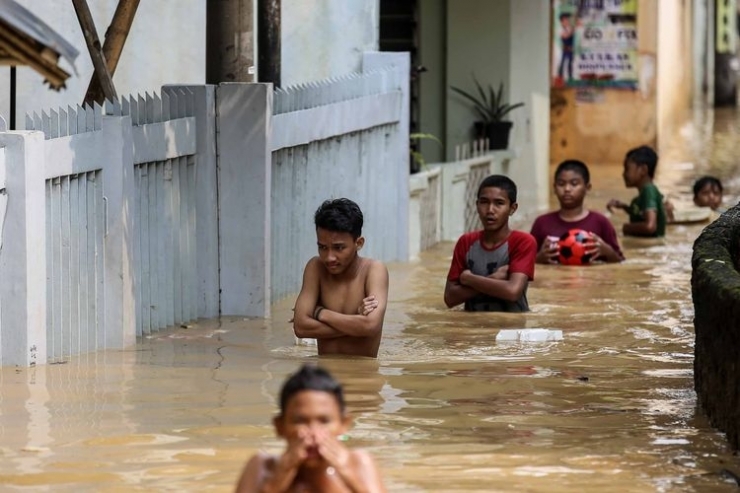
column 576, row 166
column 499, row 181
column 704, row 181
column 310, row 377
column 643, row 155
column 340, row 215
column 565, row 15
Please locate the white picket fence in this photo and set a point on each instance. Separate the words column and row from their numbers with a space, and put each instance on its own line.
column 160, row 209
column 343, row 137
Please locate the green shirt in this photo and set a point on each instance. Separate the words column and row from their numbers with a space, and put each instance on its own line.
column 649, row 198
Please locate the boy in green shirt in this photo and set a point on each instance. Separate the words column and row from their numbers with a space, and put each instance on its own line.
column 646, row 211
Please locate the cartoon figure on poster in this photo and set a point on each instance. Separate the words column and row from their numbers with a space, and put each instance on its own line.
column 595, row 43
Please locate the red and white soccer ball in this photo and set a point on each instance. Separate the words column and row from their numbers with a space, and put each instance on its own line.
column 572, row 246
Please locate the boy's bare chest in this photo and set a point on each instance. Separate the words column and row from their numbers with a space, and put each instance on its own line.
column 343, row 297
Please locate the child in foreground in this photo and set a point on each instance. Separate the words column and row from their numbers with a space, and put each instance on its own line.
column 646, row 211
column 311, row 420
column 572, row 183
column 491, row 268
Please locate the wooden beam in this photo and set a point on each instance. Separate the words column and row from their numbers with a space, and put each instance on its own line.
column 96, row 54
column 28, row 53
column 115, row 38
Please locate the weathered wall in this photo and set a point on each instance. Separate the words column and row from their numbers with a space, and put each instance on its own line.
column 529, row 83
column 478, row 42
column 715, row 288
column 326, row 38
column 675, row 74
column 617, row 120
column 166, row 44
column 432, row 83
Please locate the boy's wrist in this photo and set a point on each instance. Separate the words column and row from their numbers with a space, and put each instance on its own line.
column 317, row 311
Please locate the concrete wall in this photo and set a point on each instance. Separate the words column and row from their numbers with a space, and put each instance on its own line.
column 166, row 44
column 715, row 288
column 478, row 42
column 326, row 38
column 675, row 72
column 433, row 82
column 603, row 130
column 529, row 83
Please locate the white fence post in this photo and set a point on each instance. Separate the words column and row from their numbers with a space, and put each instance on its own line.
column 206, row 208
column 402, row 61
column 23, row 254
column 245, row 166
column 119, row 193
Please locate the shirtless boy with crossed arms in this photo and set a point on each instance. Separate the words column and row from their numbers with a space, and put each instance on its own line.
column 344, row 296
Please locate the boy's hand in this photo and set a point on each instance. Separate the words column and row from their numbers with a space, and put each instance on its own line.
column 333, row 452
column 367, row 306
column 596, row 247
column 549, row 252
column 296, row 453
column 502, row 273
column 464, row 277
column 616, row 204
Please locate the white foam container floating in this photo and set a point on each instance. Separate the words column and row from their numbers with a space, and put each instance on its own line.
column 529, row 335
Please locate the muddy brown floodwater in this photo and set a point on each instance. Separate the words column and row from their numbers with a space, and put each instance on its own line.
column 610, row 408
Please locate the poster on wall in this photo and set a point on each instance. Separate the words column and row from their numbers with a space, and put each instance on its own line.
column 594, row 43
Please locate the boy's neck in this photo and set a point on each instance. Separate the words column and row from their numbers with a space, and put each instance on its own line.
column 495, row 237
column 644, row 182
column 573, row 213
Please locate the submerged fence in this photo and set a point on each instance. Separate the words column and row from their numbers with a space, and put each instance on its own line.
column 160, row 209
column 344, row 137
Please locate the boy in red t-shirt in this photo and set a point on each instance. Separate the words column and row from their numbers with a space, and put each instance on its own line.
column 572, row 182
column 491, row 268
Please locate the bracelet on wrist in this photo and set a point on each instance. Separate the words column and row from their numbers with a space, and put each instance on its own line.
column 317, row 312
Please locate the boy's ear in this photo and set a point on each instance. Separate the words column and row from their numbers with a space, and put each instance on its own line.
column 588, row 186
column 360, row 242
column 277, row 422
column 347, row 422
column 513, row 208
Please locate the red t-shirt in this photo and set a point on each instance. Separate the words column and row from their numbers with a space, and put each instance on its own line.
column 551, row 224
column 518, row 251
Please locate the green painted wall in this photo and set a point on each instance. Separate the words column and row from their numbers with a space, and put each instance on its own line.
column 478, row 41
column 432, row 83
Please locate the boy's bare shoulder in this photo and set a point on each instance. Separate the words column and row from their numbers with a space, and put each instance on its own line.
column 258, row 466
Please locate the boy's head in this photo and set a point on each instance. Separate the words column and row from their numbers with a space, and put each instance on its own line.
column 572, row 181
column 639, row 166
column 496, row 201
column 708, row 192
column 338, row 233
column 311, row 406
column 565, row 19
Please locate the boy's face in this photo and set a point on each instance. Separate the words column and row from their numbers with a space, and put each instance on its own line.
column 709, row 196
column 494, row 208
column 633, row 173
column 311, row 413
column 570, row 188
column 337, row 250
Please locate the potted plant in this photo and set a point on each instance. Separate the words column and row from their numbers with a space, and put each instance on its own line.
column 491, row 108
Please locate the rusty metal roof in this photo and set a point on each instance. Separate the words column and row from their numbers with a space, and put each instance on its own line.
column 27, row 40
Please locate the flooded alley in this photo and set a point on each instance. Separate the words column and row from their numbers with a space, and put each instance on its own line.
column 610, row 408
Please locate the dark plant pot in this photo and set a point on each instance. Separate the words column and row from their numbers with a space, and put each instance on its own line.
column 497, row 133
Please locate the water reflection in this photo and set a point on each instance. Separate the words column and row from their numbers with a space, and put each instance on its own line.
column 444, row 408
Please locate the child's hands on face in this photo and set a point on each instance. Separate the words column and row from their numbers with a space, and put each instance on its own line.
column 332, row 450
column 297, row 451
column 615, row 204
column 549, row 252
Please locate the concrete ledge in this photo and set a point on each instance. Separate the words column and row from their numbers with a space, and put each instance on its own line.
column 715, row 289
